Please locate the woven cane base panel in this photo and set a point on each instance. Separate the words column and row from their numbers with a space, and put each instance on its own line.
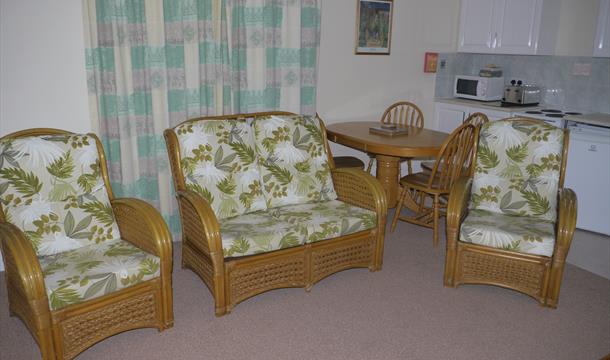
column 81, row 331
column 328, row 260
column 254, row 278
column 199, row 262
column 477, row 267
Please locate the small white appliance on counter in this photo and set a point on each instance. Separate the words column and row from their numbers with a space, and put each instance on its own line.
column 478, row 87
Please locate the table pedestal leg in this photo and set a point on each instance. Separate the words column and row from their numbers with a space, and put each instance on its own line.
column 387, row 174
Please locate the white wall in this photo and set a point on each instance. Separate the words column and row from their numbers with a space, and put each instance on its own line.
column 42, row 66
column 361, row 87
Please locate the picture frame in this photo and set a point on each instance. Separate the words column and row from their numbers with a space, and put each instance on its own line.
column 374, row 26
column 430, row 62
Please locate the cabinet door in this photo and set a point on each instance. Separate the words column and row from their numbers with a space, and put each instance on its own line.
column 492, row 115
column 602, row 37
column 476, row 26
column 449, row 117
column 518, row 26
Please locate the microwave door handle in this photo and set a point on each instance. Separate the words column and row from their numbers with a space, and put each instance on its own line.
column 495, row 41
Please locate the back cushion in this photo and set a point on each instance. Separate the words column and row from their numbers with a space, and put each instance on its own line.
column 517, row 168
column 51, row 187
column 293, row 160
column 219, row 162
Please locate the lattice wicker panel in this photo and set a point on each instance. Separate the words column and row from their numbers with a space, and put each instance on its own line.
column 525, row 276
column 199, row 262
column 81, row 331
column 330, row 259
column 192, row 227
column 351, row 189
column 255, row 278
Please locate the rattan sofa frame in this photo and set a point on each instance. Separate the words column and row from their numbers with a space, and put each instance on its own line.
column 232, row 280
column 535, row 275
column 66, row 332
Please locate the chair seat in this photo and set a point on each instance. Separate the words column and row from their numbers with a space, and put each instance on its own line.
column 420, row 181
column 427, row 166
column 348, row 162
column 95, row 270
column 292, row 225
column 521, row 234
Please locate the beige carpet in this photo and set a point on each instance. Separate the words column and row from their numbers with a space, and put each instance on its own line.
column 401, row 312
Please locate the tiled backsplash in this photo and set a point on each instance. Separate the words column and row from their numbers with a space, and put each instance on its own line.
column 554, row 74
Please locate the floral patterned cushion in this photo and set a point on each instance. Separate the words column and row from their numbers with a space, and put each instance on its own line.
column 219, row 163
column 258, row 232
column 293, row 161
column 52, row 189
column 522, row 234
column 95, row 270
column 517, row 169
column 327, row 220
column 292, row 225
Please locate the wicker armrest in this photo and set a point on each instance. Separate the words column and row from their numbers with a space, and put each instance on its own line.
column 457, row 207
column 566, row 222
column 199, row 223
column 142, row 225
column 356, row 187
column 24, row 275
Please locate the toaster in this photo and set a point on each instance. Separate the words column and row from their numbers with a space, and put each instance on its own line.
column 518, row 93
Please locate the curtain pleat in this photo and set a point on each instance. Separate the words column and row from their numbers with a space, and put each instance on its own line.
column 152, row 64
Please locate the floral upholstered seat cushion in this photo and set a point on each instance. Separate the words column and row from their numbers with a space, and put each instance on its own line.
column 51, row 188
column 258, row 232
column 327, row 220
column 517, row 169
column 219, row 162
column 95, row 270
column 524, row 234
column 292, row 225
column 293, row 160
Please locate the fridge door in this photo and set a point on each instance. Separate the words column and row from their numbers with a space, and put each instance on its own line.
column 588, row 174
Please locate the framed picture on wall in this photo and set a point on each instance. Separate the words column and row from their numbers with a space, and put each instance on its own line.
column 374, row 26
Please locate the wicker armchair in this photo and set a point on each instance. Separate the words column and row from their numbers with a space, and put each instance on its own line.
column 511, row 225
column 81, row 265
column 235, row 273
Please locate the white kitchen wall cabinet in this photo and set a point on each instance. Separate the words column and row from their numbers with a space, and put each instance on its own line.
column 524, row 27
column 602, row 36
column 449, row 116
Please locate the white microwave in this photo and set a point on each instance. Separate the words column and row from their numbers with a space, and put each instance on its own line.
column 478, row 87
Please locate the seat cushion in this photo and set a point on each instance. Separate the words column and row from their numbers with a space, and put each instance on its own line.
column 327, row 220
column 219, row 162
column 292, row 225
column 258, row 232
column 524, row 234
column 293, row 160
column 51, row 188
column 517, row 168
column 95, row 270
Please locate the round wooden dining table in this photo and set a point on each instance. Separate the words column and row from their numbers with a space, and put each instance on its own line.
column 417, row 143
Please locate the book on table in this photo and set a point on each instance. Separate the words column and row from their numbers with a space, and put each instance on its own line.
column 389, row 130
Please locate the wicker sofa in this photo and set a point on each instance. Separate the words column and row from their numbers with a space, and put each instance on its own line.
column 250, row 225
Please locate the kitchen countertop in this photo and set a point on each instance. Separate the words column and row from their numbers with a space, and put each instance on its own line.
column 599, row 119
column 492, row 105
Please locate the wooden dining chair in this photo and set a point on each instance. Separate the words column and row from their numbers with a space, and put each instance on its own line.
column 476, row 119
column 453, row 161
column 401, row 113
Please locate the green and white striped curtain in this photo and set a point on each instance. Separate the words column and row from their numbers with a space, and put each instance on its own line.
column 153, row 63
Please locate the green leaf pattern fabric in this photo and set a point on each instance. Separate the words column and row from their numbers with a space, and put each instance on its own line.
column 524, row 234
column 327, row 220
column 292, row 225
column 52, row 189
column 293, row 160
column 95, row 270
column 219, row 163
column 517, row 169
